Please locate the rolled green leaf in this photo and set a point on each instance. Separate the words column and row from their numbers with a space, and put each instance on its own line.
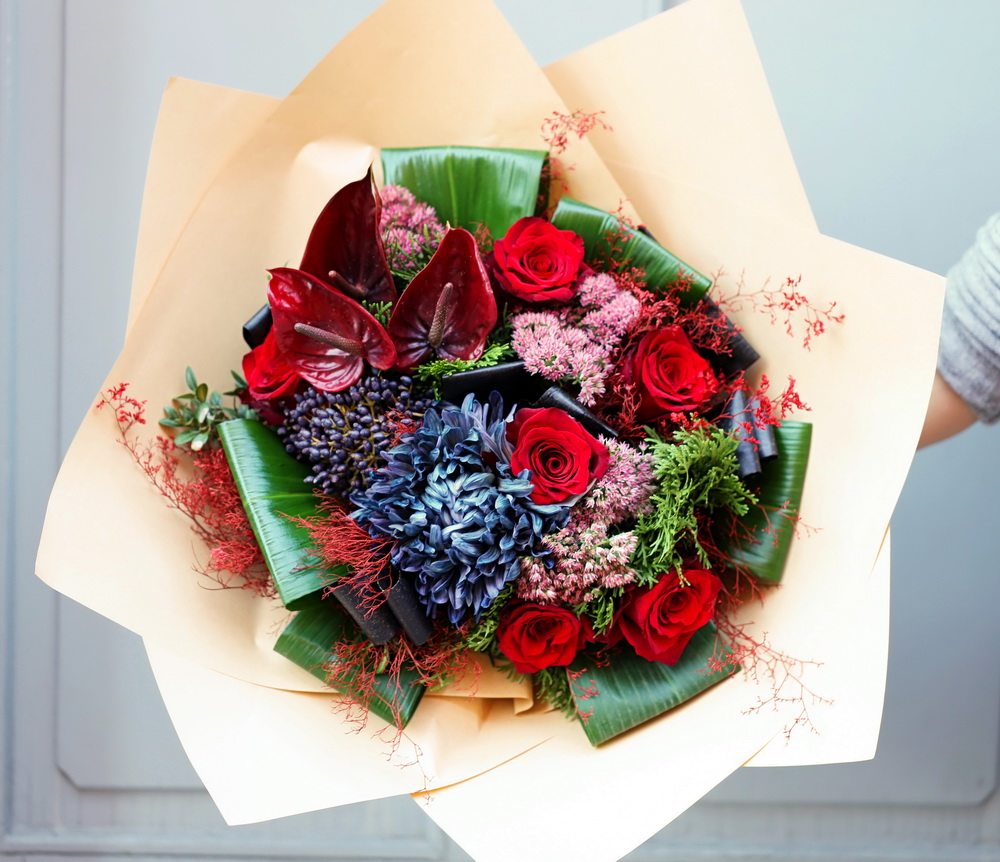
column 272, row 486
column 766, row 531
column 628, row 690
column 634, row 248
column 469, row 186
column 309, row 641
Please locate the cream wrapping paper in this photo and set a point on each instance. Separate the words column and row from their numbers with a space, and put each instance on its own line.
column 214, row 221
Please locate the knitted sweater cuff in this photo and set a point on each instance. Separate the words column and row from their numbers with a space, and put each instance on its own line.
column 969, row 358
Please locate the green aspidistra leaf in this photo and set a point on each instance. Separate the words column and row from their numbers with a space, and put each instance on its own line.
column 768, row 528
column 629, row 690
column 469, row 186
column 632, row 248
column 272, row 487
column 309, row 641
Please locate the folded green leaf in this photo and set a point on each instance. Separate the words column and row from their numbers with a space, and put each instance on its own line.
column 630, row 690
column 272, row 487
column 309, row 640
column 632, row 248
column 766, row 531
column 469, row 186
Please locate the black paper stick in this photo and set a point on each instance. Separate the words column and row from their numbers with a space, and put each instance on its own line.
column 738, row 412
column 256, row 328
column 402, row 600
column 556, row 397
column 378, row 624
column 515, row 385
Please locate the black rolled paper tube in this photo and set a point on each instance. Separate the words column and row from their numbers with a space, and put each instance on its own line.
column 256, row 328
column 556, row 397
column 515, row 385
column 379, row 624
column 406, row 608
column 743, row 353
column 738, row 411
column 767, row 441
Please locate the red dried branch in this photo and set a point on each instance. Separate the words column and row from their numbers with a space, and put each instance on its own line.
column 763, row 663
column 558, row 127
column 786, row 306
column 200, row 486
column 356, row 663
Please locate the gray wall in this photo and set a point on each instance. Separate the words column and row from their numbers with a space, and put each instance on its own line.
column 891, row 113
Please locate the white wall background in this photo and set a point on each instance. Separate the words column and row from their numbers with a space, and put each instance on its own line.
column 892, row 113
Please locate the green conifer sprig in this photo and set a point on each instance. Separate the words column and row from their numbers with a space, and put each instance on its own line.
column 431, row 373
column 695, row 471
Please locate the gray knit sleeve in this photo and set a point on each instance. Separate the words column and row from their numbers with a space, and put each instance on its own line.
column 969, row 358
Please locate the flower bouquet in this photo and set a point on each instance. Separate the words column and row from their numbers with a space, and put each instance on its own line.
column 254, row 722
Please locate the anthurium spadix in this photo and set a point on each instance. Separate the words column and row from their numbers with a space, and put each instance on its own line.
column 448, row 310
column 325, row 336
column 345, row 247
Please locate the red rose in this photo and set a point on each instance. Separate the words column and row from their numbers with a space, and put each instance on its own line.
column 537, row 262
column 669, row 374
column 267, row 373
column 564, row 458
column 535, row 637
column 658, row 622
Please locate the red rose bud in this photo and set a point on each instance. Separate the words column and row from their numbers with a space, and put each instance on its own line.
column 564, row 458
column 267, row 372
column 669, row 374
column 537, row 262
column 660, row 621
column 535, row 637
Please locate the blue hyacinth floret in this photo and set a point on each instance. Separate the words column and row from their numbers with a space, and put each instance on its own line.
column 459, row 516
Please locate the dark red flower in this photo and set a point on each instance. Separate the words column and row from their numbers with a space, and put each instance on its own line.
column 345, row 246
column 669, row 374
column 659, row 621
column 448, row 310
column 267, row 372
column 564, row 458
column 537, row 262
column 535, row 637
column 325, row 336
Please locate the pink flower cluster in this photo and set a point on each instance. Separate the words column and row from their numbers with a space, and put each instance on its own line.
column 586, row 560
column 575, row 344
column 626, row 487
column 586, row 556
column 410, row 230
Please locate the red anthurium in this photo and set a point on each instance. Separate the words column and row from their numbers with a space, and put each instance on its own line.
column 325, row 337
column 448, row 309
column 345, row 247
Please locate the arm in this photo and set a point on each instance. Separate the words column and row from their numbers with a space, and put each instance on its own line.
column 967, row 385
column 947, row 414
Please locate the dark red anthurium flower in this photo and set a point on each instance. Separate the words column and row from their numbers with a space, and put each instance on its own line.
column 325, row 337
column 448, row 309
column 345, row 247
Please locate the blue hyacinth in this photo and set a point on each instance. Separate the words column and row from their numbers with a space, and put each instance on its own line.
column 459, row 516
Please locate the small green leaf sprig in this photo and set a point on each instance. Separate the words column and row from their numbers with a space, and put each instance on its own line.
column 197, row 414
